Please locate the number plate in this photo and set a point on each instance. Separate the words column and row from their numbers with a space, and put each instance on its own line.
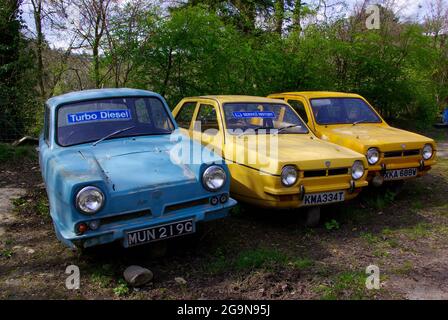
column 161, row 232
column 323, row 198
column 400, row 174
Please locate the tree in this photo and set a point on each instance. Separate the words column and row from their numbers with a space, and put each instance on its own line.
column 38, row 16
column 17, row 106
column 93, row 17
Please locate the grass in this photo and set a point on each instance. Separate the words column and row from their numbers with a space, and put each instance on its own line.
column 405, row 269
column 381, row 200
column 346, row 285
column 370, row 238
column 355, row 215
column 254, row 259
column 218, row 264
column 102, row 279
column 34, row 202
column 302, row 263
column 9, row 153
column 417, row 232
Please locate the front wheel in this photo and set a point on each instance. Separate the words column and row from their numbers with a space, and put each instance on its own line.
column 312, row 217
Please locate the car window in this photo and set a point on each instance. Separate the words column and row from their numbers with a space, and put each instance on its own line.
column 92, row 120
column 206, row 118
column 343, row 111
column 300, row 108
column 185, row 115
column 142, row 111
column 262, row 116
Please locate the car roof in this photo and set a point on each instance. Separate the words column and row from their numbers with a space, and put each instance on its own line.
column 93, row 94
column 238, row 98
column 320, row 94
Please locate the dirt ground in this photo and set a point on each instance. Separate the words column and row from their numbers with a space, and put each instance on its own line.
column 250, row 255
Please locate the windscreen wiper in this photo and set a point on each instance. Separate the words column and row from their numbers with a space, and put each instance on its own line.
column 112, row 134
column 255, row 129
column 359, row 121
column 289, row 127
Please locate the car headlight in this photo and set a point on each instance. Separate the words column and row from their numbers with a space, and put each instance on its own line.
column 373, row 155
column 427, row 152
column 289, row 176
column 89, row 200
column 214, row 178
column 357, row 170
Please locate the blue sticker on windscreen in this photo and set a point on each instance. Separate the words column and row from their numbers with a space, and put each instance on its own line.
column 254, row 114
column 103, row 115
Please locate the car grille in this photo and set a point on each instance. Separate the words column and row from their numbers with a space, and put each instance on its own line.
column 126, row 216
column 325, row 172
column 184, row 205
column 404, row 153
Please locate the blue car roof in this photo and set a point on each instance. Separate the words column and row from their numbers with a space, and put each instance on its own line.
column 98, row 94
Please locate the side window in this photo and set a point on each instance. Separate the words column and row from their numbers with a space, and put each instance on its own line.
column 47, row 125
column 142, row 111
column 207, row 118
column 300, row 109
column 185, row 115
column 159, row 116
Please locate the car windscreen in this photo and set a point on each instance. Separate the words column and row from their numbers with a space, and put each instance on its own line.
column 91, row 120
column 343, row 111
column 240, row 117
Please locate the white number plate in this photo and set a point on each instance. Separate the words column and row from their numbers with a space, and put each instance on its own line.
column 162, row 232
column 400, row 174
column 323, row 198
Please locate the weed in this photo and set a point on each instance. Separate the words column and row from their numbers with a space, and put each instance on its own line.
column 302, row 264
column 101, row 279
column 349, row 285
column 121, row 289
column 370, row 238
column 381, row 201
column 9, row 153
column 332, row 225
column 253, row 259
column 417, row 232
column 219, row 263
column 405, row 269
column 7, row 253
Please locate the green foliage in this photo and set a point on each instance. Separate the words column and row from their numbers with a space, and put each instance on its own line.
column 347, row 285
column 7, row 253
column 302, row 264
column 253, row 259
column 17, row 75
column 233, row 47
column 381, row 200
column 9, row 153
column 121, row 289
column 332, row 225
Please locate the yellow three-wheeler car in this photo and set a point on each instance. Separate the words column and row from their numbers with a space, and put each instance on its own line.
column 275, row 161
column 350, row 121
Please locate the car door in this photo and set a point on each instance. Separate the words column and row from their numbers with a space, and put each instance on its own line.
column 185, row 116
column 44, row 144
column 207, row 126
column 300, row 106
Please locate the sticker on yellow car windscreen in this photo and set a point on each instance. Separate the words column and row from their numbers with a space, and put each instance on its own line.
column 254, row 114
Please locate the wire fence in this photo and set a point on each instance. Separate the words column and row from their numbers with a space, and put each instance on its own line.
column 13, row 129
